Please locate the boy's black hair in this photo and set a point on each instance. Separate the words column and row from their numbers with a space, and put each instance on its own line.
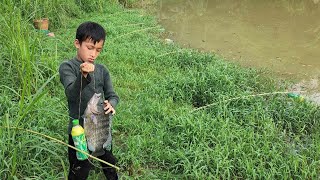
column 90, row 30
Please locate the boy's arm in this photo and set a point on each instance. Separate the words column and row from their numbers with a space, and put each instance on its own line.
column 71, row 80
column 109, row 93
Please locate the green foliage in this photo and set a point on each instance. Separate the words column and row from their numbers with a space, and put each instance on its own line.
column 262, row 137
column 92, row 6
column 158, row 131
column 57, row 11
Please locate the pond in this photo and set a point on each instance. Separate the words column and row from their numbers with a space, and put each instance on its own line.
column 279, row 35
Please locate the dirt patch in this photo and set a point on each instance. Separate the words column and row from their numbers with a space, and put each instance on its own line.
column 310, row 89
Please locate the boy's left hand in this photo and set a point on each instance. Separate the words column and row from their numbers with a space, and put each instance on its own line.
column 108, row 108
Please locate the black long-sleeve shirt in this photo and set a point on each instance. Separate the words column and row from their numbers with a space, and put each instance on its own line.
column 76, row 85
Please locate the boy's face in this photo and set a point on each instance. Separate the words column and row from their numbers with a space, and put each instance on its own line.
column 87, row 51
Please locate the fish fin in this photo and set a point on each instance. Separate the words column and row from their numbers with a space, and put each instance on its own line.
column 91, row 147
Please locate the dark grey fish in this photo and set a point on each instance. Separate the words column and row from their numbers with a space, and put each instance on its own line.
column 97, row 126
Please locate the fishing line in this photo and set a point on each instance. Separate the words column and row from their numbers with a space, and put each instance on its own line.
column 94, row 89
column 80, row 94
column 254, row 95
column 61, row 142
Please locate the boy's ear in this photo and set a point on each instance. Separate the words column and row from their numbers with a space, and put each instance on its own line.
column 77, row 43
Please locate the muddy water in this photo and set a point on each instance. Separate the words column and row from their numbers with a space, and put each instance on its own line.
column 279, row 35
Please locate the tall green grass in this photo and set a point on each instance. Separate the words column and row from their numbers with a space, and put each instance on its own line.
column 29, row 94
column 26, row 76
column 157, row 132
column 259, row 137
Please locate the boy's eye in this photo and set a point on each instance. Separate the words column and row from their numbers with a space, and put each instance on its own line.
column 90, row 47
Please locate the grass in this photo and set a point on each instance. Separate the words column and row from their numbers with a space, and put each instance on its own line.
column 157, row 133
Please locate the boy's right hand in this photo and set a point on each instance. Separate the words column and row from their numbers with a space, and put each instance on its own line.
column 86, row 68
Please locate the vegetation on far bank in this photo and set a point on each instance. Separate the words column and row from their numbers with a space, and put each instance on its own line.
column 158, row 131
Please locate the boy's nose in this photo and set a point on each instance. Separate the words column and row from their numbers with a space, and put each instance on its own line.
column 93, row 54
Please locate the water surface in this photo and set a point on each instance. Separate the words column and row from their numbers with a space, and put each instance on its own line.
column 279, row 35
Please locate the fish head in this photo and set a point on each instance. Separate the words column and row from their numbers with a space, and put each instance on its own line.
column 96, row 104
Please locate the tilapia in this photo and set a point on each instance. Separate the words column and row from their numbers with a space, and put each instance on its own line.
column 97, row 126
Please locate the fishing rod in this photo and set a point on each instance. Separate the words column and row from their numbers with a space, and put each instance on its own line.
column 63, row 143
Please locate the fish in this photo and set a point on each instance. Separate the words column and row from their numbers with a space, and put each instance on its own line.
column 97, row 126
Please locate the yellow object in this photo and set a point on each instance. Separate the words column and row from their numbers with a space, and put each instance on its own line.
column 79, row 139
column 77, row 129
column 295, row 96
column 301, row 99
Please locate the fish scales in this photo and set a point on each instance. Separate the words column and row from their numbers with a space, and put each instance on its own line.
column 97, row 126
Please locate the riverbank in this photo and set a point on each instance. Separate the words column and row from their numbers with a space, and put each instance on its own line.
column 284, row 43
column 183, row 114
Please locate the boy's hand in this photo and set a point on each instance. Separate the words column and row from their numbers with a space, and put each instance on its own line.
column 86, row 68
column 108, row 108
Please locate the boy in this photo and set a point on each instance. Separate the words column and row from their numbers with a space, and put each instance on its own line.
column 81, row 78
